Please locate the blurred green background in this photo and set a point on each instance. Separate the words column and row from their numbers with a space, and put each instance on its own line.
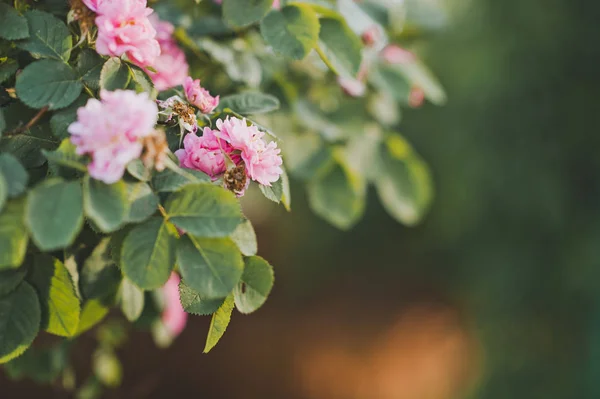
column 495, row 295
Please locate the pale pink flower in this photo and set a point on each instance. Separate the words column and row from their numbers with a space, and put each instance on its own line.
column 124, row 28
column 205, row 153
column 416, row 97
column 262, row 161
column 171, row 66
column 276, row 3
column 372, row 35
column 174, row 318
column 352, row 87
column 397, row 55
column 199, row 96
column 92, row 4
column 110, row 129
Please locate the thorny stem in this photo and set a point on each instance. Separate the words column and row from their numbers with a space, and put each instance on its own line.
column 29, row 125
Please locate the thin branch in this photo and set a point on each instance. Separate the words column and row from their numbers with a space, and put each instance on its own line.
column 29, row 125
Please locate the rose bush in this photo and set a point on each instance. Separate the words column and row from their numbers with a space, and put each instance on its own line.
column 130, row 130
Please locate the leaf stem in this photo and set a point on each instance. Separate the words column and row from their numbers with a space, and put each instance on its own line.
column 28, row 125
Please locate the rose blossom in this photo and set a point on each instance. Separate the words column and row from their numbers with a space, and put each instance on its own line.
column 124, row 28
column 171, row 66
column 397, row 55
column 199, row 96
column 262, row 161
column 174, row 318
column 205, row 153
column 110, row 129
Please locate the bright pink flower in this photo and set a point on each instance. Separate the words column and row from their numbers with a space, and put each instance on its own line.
column 262, row 161
column 110, row 129
column 199, row 96
column 397, row 55
column 92, row 4
column 124, row 28
column 174, row 318
column 171, row 66
column 205, row 153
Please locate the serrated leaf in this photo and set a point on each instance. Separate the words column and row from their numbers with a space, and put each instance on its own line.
column 13, row 234
column 249, row 103
column 193, row 302
column 140, row 81
column 59, row 302
column 114, row 75
column 210, row 266
column 64, row 160
column 218, row 324
column 89, row 67
column 245, row 12
column 60, row 121
column 99, row 276
column 48, row 83
column 15, row 175
column 20, row 317
column 93, row 312
column 169, row 180
column 337, row 195
column 7, row 68
column 257, row 282
column 245, row 238
column 340, row 46
column 105, row 204
column 13, row 26
column 54, row 213
column 204, row 210
column 403, row 182
column 132, row 300
column 148, row 254
column 274, row 192
column 49, row 37
column 292, row 31
column 143, row 202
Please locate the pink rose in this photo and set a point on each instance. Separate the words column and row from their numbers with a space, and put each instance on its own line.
column 171, row 66
column 199, row 96
column 124, row 28
column 110, row 129
column 264, row 166
column 174, row 318
column 205, row 153
column 92, row 4
column 397, row 55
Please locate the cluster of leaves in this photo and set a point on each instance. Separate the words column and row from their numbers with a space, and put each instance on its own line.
column 72, row 248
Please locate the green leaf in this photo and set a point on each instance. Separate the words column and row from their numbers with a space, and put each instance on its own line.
column 292, row 31
column 107, row 368
column 60, row 121
column 93, row 312
column 59, row 302
column 245, row 12
column 273, row 192
column 99, row 277
column 140, row 81
column 195, row 303
column 218, row 324
column 143, row 202
column 42, row 364
column 10, row 279
column 420, row 76
column 49, row 37
column 250, row 103
column 13, row 234
column 2, row 122
column 403, row 182
column 148, row 254
column 245, row 238
column 204, row 210
column 210, row 266
column 89, row 67
column 340, row 46
column 15, row 175
column 12, row 25
column 337, row 195
column 64, row 160
column 105, row 204
column 20, row 317
column 48, row 83
column 286, row 196
column 131, row 299
column 389, row 79
column 257, row 282
column 137, row 169
column 54, row 213
column 8, row 67
column 169, row 180
column 114, row 75
column 3, row 191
